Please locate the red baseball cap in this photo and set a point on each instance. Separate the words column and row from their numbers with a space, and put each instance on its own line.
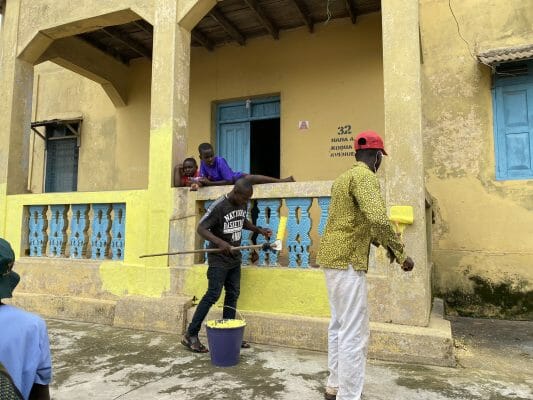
column 369, row 140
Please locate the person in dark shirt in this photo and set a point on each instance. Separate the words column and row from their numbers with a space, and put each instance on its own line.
column 222, row 226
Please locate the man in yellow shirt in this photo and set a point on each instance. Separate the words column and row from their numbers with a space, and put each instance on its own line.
column 357, row 218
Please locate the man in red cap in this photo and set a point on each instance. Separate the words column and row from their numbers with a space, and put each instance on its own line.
column 357, row 217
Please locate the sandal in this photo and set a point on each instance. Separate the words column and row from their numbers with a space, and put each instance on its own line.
column 330, row 393
column 193, row 344
column 245, row 345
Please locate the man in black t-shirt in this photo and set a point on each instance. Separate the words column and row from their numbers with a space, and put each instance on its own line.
column 222, row 225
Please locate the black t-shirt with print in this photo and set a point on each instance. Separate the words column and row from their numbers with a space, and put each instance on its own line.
column 224, row 220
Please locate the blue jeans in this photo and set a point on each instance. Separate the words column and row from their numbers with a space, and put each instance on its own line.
column 218, row 278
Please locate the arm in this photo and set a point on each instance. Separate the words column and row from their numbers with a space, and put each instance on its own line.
column 207, row 222
column 224, row 172
column 177, row 175
column 208, row 235
column 367, row 193
column 40, row 389
column 251, row 227
column 206, row 182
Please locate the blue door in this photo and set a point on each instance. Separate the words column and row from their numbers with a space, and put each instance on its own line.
column 233, row 128
column 234, row 145
column 514, row 141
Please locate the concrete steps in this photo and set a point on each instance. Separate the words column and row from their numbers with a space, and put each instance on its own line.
column 431, row 345
column 165, row 314
column 63, row 290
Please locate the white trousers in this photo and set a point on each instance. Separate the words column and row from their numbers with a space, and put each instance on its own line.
column 348, row 331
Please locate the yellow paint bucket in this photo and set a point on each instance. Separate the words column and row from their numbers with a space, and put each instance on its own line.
column 224, row 337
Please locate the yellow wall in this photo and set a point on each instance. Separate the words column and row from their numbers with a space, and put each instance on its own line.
column 483, row 236
column 332, row 77
column 293, row 291
column 134, row 276
column 114, row 144
column 40, row 15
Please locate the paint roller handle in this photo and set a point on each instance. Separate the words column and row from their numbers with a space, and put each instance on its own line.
column 224, row 247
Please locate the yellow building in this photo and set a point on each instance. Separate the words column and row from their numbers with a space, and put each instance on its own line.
column 477, row 80
column 101, row 102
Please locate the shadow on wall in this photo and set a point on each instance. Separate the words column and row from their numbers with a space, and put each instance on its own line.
column 507, row 299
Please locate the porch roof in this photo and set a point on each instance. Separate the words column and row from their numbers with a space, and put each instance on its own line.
column 506, row 54
column 230, row 21
column 239, row 20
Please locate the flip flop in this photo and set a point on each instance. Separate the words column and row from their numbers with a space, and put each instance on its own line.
column 245, row 345
column 193, row 344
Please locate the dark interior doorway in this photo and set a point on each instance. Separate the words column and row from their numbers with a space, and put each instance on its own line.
column 265, row 147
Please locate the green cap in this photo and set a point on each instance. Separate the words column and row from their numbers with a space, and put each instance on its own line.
column 8, row 279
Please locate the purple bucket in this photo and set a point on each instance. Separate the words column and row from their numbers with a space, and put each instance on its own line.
column 224, row 337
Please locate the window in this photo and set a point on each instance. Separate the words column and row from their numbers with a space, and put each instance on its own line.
column 513, row 120
column 62, row 141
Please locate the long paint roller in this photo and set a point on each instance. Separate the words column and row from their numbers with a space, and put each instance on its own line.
column 275, row 246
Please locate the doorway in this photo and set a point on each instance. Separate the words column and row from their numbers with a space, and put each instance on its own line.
column 248, row 135
column 265, row 147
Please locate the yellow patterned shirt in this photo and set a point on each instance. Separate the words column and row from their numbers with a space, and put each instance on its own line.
column 357, row 217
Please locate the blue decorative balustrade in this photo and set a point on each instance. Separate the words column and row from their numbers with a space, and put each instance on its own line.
column 298, row 229
column 37, row 225
column 78, row 230
column 95, row 231
column 207, row 204
column 301, row 228
column 118, row 227
column 100, row 229
column 323, row 202
column 268, row 218
column 246, row 240
column 57, row 236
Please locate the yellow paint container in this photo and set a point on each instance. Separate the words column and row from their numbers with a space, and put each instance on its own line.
column 401, row 216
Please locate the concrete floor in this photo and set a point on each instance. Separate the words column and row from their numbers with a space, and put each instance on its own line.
column 93, row 362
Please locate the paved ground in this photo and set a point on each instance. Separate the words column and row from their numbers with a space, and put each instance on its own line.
column 100, row 362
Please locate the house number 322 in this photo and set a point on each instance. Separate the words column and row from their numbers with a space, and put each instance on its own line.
column 344, row 130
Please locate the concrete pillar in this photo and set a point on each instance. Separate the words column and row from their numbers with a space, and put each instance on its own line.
column 404, row 168
column 16, row 85
column 169, row 115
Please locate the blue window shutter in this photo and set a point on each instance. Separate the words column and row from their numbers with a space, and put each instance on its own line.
column 234, row 145
column 61, row 165
column 233, row 128
column 514, row 130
